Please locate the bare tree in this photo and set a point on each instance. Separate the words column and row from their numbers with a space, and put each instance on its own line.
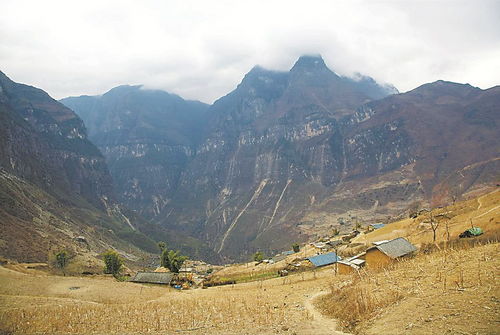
column 434, row 226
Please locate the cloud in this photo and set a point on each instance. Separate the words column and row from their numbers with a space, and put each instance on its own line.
column 202, row 49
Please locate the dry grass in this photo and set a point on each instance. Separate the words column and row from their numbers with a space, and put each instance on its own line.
column 464, row 276
column 484, row 212
column 46, row 304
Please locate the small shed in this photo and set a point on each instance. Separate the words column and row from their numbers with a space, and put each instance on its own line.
column 385, row 253
column 278, row 258
column 319, row 245
column 162, row 278
column 323, row 259
column 334, row 243
column 351, row 264
column 377, row 225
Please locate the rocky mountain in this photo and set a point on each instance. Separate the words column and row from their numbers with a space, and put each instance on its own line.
column 287, row 155
column 147, row 137
column 54, row 183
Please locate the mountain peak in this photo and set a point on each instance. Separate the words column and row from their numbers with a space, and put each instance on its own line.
column 309, row 63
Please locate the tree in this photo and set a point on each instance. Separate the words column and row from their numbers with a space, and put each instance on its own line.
column 295, row 247
column 258, row 256
column 162, row 245
column 172, row 260
column 113, row 262
column 61, row 260
column 434, row 226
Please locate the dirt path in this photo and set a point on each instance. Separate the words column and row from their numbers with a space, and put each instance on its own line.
column 320, row 324
column 491, row 210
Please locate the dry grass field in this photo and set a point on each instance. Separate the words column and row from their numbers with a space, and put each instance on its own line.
column 51, row 304
column 452, row 290
column 484, row 211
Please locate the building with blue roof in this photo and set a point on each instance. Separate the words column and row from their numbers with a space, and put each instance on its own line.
column 324, row 259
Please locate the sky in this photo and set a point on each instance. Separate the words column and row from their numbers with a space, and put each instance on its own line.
column 202, row 49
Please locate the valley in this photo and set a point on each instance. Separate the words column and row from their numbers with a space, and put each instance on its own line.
column 449, row 289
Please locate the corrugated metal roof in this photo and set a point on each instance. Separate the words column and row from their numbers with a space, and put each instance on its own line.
column 357, row 261
column 352, row 265
column 153, row 277
column 397, row 247
column 278, row 258
column 324, row 259
column 377, row 225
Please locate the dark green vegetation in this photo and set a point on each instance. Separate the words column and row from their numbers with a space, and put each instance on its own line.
column 172, row 260
column 112, row 262
column 258, row 256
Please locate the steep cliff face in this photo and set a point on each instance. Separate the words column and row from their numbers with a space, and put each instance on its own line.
column 291, row 154
column 147, row 137
column 44, row 142
column 271, row 147
column 54, row 183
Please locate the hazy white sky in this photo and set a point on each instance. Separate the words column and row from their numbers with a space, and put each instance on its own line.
column 202, row 49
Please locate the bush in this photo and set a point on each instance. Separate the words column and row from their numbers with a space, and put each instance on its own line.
column 113, row 262
column 295, row 247
column 60, row 260
column 258, row 256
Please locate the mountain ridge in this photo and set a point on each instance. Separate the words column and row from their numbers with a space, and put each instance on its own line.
column 285, row 156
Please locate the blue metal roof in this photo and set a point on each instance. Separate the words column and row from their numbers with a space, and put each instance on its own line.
column 377, row 225
column 324, row 259
column 289, row 252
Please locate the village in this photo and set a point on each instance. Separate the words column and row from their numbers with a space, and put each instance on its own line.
column 442, row 267
column 348, row 253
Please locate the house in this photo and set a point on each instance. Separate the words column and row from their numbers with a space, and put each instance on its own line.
column 334, row 243
column 319, row 245
column 384, row 253
column 351, row 264
column 162, row 278
column 278, row 258
column 377, row 225
column 323, row 259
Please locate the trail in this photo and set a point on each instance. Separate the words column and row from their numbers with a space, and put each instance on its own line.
column 491, row 210
column 321, row 324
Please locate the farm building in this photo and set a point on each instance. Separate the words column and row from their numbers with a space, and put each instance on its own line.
column 162, row 278
column 351, row 264
column 323, row 259
column 385, row 253
column 377, row 225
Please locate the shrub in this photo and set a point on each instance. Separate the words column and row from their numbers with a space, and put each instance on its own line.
column 61, row 260
column 113, row 262
column 258, row 256
column 295, row 247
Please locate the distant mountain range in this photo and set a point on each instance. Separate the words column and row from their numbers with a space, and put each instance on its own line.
column 283, row 157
